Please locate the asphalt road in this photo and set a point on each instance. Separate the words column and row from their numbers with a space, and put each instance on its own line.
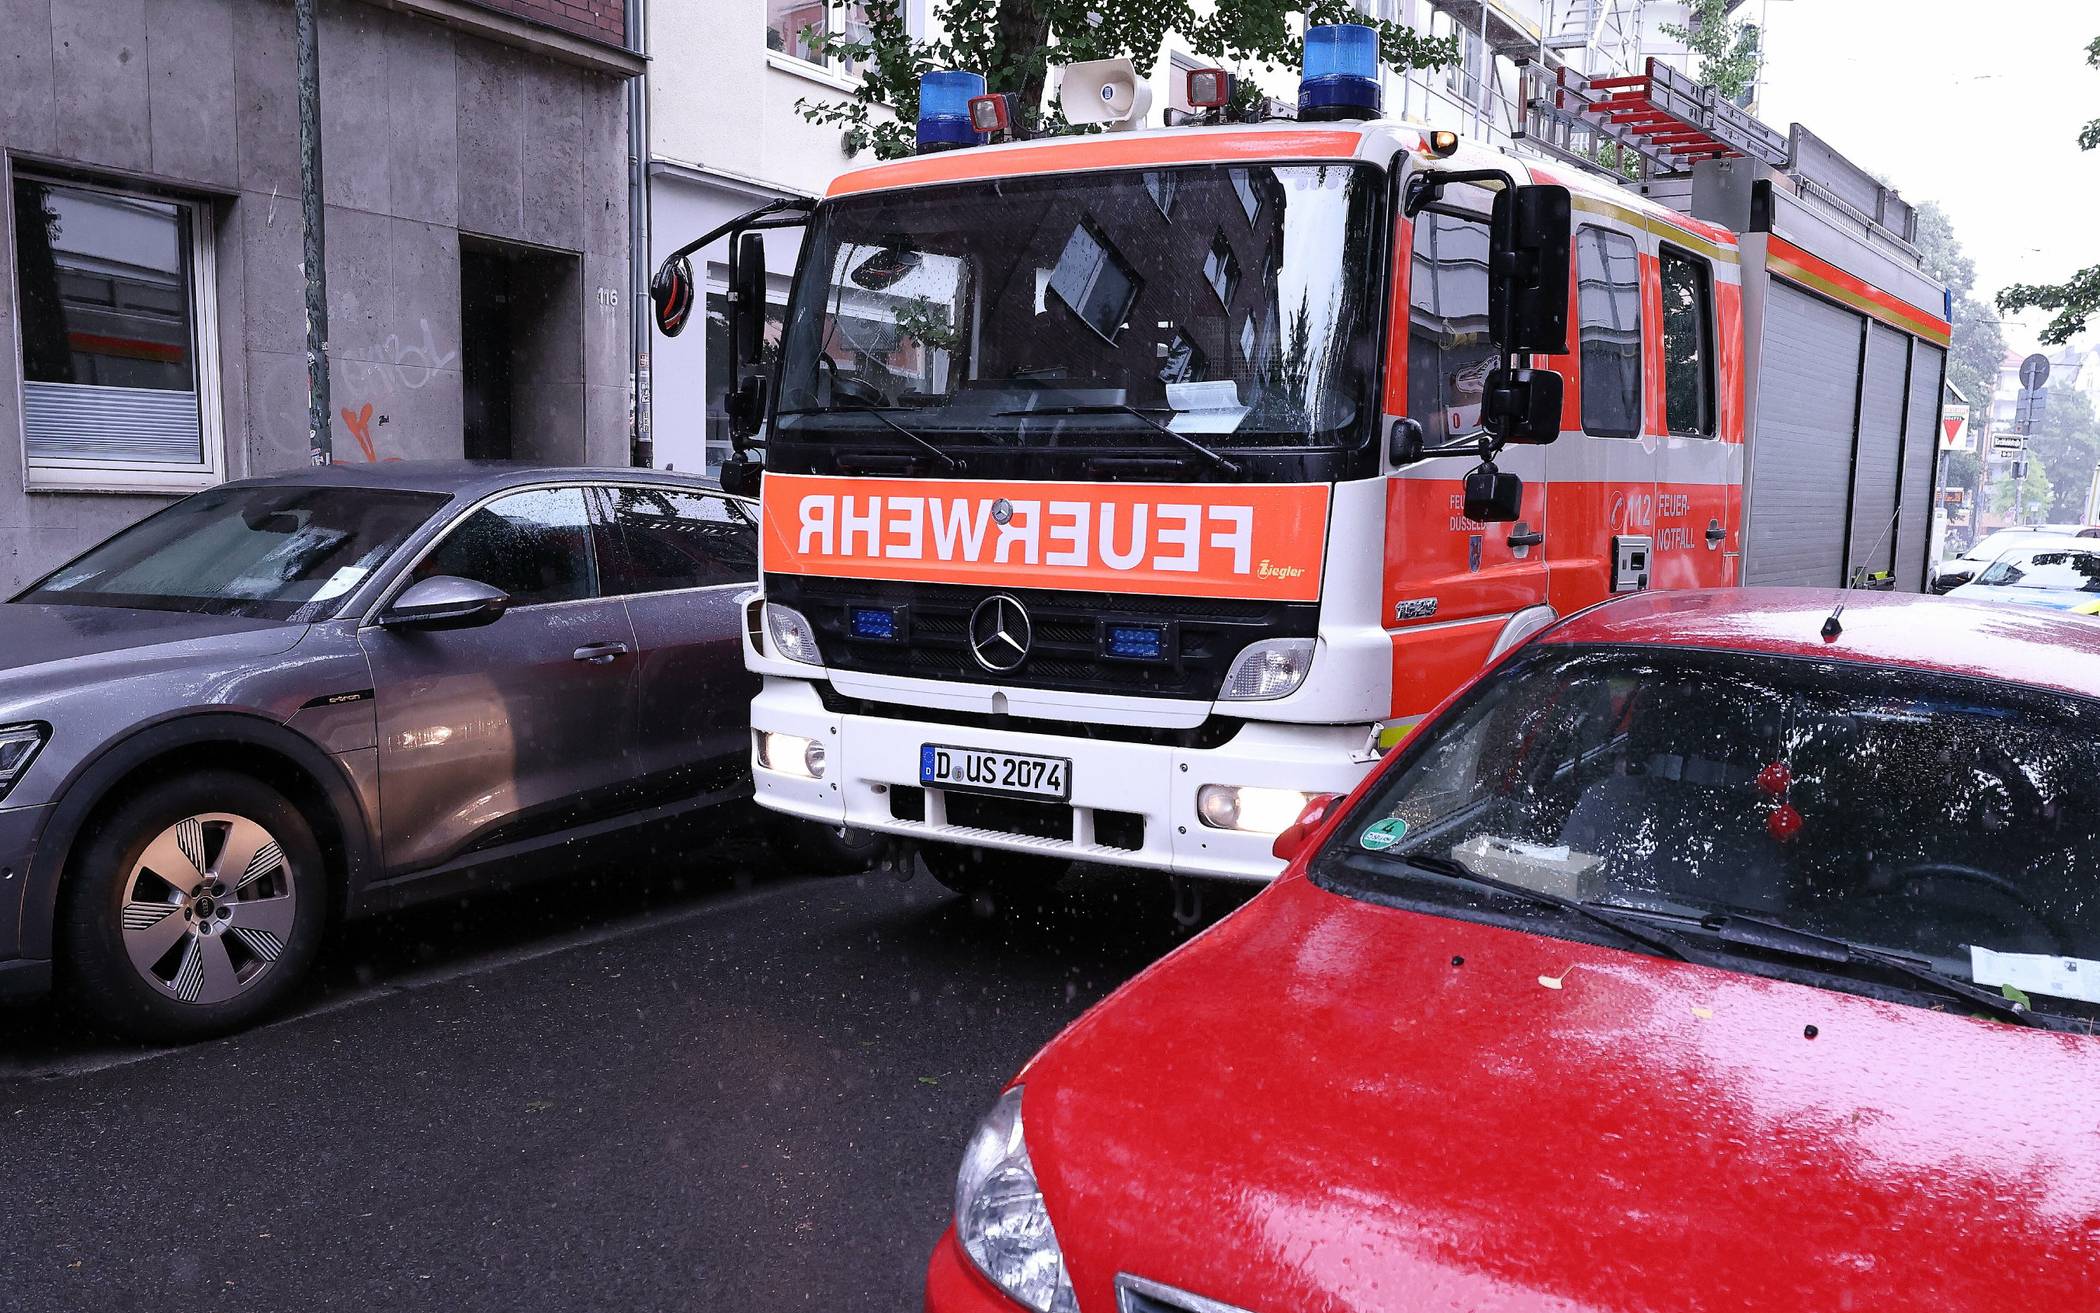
column 665, row 1082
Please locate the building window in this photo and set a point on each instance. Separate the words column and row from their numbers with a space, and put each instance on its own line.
column 1244, row 185
column 1162, row 187
column 119, row 369
column 1093, row 281
column 794, row 28
column 1608, row 281
column 1688, row 356
column 1222, row 268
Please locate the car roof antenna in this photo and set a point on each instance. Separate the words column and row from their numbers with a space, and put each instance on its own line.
column 1832, row 626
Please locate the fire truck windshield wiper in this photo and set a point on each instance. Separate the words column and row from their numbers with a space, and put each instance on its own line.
column 947, row 461
column 1223, row 462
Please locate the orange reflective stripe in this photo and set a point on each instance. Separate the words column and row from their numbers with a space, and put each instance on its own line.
column 1108, row 151
column 1784, row 258
column 1180, row 540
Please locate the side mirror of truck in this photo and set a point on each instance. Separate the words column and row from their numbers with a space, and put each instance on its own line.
column 1531, row 247
column 747, row 406
column 1493, row 497
column 747, row 307
column 671, row 293
column 740, row 475
column 1522, row 405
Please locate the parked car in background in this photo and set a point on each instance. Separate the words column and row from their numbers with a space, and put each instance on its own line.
column 1962, row 569
column 288, row 699
column 1725, row 949
column 2061, row 575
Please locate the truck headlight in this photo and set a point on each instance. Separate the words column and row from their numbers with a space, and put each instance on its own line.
column 18, row 747
column 792, row 636
column 1258, row 811
column 1271, row 668
column 1000, row 1218
column 792, row 754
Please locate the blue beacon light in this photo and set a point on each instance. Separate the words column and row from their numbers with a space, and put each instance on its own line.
column 1340, row 80
column 944, row 110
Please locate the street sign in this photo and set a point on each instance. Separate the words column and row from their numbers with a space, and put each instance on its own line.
column 2008, row 444
column 1954, row 429
column 2034, row 371
column 2029, row 408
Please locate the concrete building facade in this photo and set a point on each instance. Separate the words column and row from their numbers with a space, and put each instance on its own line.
column 152, row 289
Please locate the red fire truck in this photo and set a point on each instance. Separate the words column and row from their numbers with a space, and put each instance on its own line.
column 1122, row 490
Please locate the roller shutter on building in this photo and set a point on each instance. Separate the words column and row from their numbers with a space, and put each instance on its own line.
column 1921, row 451
column 1876, row 461
column 1801, row 455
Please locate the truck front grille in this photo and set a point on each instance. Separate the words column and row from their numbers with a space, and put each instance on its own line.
column 932, row 622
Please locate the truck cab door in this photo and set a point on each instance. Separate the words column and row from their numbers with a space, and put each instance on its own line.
column 1452, row 585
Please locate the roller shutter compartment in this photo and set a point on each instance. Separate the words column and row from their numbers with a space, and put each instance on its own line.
column 1921, row 452
column 1801, row 454
column 1876, row 464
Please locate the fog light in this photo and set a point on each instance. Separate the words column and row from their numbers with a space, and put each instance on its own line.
column 1253, row 810
column 791, row 754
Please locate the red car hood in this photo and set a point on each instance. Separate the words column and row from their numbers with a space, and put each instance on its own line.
column 1314, row 1107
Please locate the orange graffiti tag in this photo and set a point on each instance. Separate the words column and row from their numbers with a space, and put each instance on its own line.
column 359, row 422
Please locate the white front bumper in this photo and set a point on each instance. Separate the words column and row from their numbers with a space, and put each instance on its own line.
column 868, row 757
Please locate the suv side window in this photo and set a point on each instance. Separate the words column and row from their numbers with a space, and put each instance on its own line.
column 1608, row 276
column 1688, row 353
column 534, row 545
column 671, row 539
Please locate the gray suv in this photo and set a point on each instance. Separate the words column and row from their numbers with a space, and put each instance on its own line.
column 285, row 700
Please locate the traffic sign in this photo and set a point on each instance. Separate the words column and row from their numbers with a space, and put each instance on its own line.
column 2034, row 371
column 2029, row 407
column 1954, row 429
column 2008, row 444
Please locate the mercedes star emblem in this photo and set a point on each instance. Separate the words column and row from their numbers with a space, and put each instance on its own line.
column 1002, row 511
column 1000, row 633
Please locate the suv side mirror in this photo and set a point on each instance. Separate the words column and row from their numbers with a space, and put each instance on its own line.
column 1294, row 837
column 1493, row 497
column 1531, row 247
column 445, row 601
column 1523, row 405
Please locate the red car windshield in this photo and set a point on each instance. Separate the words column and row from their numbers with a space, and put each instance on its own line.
column 1951, row 821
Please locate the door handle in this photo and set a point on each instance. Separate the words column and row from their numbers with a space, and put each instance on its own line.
column 599, row 654
column 1528, row 538
column 1715, row 533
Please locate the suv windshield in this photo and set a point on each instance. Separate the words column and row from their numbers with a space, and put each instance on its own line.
column 1229, row 304
column 272, row 552
column 1947, row 820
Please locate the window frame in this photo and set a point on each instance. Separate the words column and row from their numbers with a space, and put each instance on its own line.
column 88, row 474
column 1709, row 366
column 1640, row 371
column 831, row 70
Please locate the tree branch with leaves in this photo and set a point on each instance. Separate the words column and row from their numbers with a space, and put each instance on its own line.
column 1730, row 52
column 2075, row 302
column 1012, row 43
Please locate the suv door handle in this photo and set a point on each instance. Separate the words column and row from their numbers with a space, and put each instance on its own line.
column 599, row 654
column 1529, row 538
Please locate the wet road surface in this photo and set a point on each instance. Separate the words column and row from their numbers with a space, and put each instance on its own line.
column 669, row 1083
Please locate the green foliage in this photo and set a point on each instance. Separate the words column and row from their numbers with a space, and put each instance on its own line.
column 1730, row 52
column 2067, row 441
column 2075, row 302
column 1979, row 345
column 2029, row 500
column 1013, row 43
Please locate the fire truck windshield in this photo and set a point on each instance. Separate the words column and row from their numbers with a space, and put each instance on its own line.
column 1233, row 305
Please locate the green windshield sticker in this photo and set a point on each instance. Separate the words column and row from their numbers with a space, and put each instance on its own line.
column 1384, row 834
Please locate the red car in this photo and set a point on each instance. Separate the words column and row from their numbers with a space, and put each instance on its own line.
column 1715, row 951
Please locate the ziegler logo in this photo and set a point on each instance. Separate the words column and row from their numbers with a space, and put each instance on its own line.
column 1233, row 540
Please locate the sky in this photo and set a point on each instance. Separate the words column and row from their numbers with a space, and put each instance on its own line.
column 1980, row 114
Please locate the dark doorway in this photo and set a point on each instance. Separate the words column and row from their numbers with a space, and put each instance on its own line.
column 485, row 351
column 521, row 354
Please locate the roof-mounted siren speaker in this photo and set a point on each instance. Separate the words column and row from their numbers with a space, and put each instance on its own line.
column 1105, row 91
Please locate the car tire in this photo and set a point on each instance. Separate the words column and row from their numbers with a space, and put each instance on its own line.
column 997, row 872
column 813, row 848
column 230, row 946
